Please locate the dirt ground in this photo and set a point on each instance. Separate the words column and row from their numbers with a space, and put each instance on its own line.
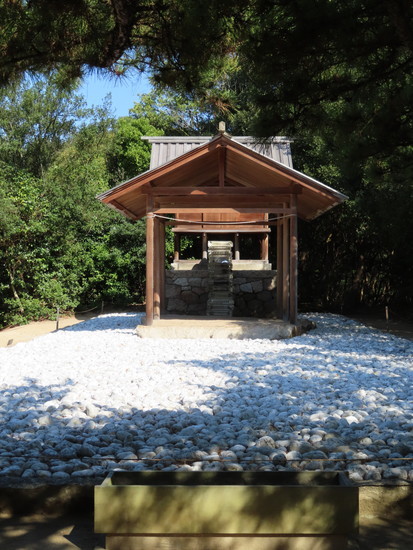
column 395, row 325
column 25, row 333
column 44, row 533
column 76, row 533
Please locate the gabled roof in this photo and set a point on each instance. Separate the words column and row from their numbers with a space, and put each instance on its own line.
column 229, row 165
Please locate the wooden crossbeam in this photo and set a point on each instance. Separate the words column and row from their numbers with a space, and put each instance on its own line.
column 228, row 229
column 244, row 210
column 234, row 201
column 216, row 190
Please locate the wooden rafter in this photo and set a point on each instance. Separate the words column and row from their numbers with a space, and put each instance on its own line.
column 117, row 206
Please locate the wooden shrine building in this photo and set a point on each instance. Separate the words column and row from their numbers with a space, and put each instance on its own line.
column 228, row 186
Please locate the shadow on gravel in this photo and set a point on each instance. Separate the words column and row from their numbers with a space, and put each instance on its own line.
column 255, row 400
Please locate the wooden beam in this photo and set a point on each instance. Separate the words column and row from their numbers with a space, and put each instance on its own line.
column 234, row 201
column 157, row 271
column 286, row 270
column 162, row 265
column 216, row 190
column 126, row 211
column 213, row 229
column 257, row 226
column 293, row 261
column 150, row 223
column 191, row 209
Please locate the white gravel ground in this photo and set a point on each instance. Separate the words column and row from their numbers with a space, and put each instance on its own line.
column 85, row 400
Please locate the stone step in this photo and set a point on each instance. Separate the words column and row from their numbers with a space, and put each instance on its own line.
column 220, row 299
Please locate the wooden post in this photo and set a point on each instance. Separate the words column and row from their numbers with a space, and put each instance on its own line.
column 293, row 260
column 177, row 246
column 286, row 269
column 236, row 247
column 264, row 247
column 156, row 271
column 280, row 277
column 162, row 266
column 204, row 246
column 150, row 223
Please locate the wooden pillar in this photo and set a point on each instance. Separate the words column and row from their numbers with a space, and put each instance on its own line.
column 204, row 246
column 150, row 223
column 264, row 247
column 177, row 246
column 286, row 269
column 157, row 270
column 293, row 260
column 236, row 247
column 280, row 277
column 162, row 265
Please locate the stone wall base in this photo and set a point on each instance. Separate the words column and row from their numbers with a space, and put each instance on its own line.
column 186, row 292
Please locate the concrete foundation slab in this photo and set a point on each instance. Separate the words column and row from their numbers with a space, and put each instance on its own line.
column 176, row 326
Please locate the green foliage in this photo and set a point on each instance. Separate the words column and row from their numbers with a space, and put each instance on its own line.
column 359, row 253
column 185, row 113
column 59, row 246
column 129, row 154
column 36, row 119
column 73, row 35
column 177, row 114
